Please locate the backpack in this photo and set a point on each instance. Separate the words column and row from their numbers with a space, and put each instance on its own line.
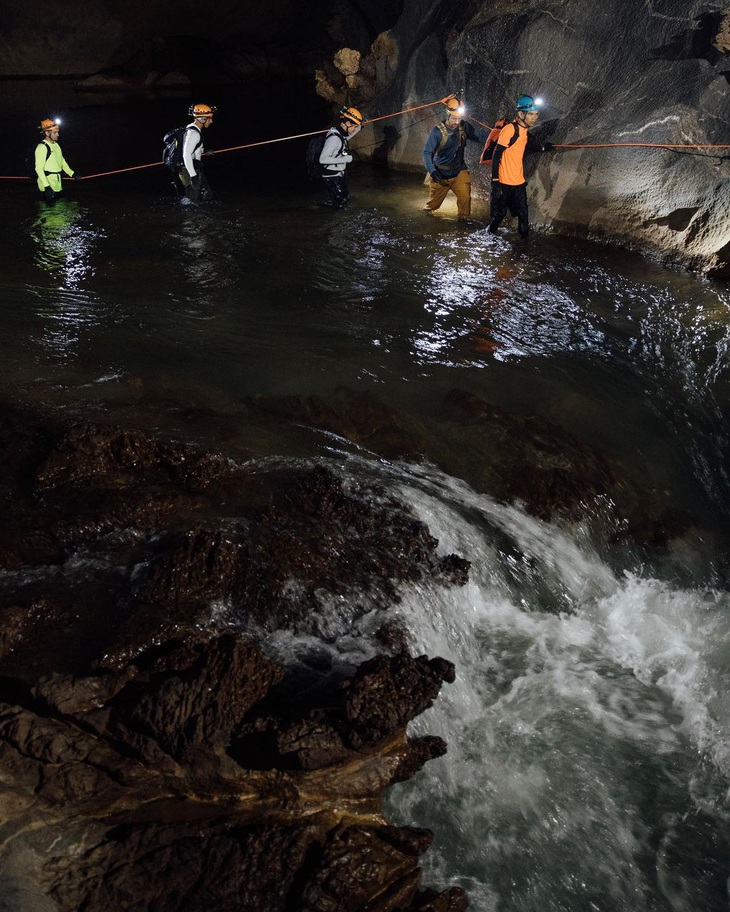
column 314, row 150
column 30, row 157
column 172, row 153
column 491, row 144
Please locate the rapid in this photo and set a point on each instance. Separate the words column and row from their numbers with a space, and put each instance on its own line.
column 588, row 730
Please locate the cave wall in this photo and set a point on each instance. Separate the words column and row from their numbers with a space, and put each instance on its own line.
column 614, row 72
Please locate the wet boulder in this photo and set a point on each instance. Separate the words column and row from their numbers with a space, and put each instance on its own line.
column 130, row 788
column 153, row 751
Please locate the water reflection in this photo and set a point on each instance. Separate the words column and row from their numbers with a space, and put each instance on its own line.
column 208, row 247
column 65, row 244
column 356, row 262
column 64, row 241
column 484, row 307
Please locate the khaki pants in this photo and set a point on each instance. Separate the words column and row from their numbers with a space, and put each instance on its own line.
column 461, row 188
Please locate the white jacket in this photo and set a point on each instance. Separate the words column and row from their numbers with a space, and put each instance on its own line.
column 192, row 148
column 335, row 155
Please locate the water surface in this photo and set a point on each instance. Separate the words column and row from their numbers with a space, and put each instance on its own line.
column 588, row 728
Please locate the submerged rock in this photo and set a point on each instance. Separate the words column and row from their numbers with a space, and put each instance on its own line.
column 515, row 459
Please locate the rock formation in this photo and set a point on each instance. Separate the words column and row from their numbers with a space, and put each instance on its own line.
column 152, row 754
column 156, row 750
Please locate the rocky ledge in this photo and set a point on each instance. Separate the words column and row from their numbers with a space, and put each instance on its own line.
column 153, row 754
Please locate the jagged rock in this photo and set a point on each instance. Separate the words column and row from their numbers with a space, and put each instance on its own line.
column 315, row 533
column 721, row 41
column 132, row 768
column 404, row 687
column 347, row 61
column 367, row 710
column 523, row 459
column 394, row 637
column 420, row 751
column 350, row 858
column 146, row 757
column 451, row 900
column 89, row 452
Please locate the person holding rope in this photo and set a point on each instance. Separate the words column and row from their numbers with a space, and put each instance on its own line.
column 50, row 163
column 191, row 174
column 443, row 156
column 509, row 187
column 335, row 156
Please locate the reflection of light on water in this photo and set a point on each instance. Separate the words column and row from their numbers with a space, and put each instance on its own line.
column 359, row 259
column 483, row 307
column 211, row 247
column 65, row 316
column 65, row 241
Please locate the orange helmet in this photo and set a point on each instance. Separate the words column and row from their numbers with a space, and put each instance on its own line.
column 352, row 114
column 47, row 124
column 454, row 106
column 201, row 110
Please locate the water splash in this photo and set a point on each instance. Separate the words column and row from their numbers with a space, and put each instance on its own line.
column 584, row 745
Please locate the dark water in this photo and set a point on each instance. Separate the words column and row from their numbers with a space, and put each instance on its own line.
column 588, row 765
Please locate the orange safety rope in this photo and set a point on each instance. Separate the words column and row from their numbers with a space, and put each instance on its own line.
column 486, row 126
column 253, row 145
column 639, row 145
column 429, row 104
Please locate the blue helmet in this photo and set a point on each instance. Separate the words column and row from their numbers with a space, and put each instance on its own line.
column 528, row 104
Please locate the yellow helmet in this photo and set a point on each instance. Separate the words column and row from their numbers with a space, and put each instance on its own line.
column 454, row 106
column 201, row 110
column 47, row 124
column 352, row 114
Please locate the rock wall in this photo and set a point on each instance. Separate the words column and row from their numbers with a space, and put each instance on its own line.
column 614, row 72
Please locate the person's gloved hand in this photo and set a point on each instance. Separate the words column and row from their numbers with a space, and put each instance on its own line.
column 496, row 191
column 437, row 177
column 49, row 195
column 547, row 147
column 77, row 176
